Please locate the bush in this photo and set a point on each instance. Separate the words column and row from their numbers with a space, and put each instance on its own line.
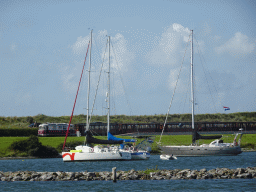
column 25, row 145
column 248, row 145
column 43, row 151
column 33, row 147
column 18, row 132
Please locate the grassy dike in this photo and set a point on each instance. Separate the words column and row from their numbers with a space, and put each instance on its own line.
column 248, row 142
column 23, row 122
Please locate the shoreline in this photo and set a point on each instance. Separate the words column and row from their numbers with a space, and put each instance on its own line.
column 31, row 157
column 176, row 174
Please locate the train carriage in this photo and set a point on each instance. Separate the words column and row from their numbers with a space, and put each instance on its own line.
column 55, row 129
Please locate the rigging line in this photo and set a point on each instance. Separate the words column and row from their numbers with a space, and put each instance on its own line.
column 185, row 98
column 75, row 99
column 184, row 101
column 127, row 101
column 113, row 92
column 173, row 92
column 98, row 51
column 205, row 74
column 98, row 84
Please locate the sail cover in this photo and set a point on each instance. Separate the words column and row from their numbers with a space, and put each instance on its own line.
column 197, row 136
column 113, row 138
column 91, row 139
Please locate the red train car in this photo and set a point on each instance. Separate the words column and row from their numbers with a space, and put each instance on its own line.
column 55, row 129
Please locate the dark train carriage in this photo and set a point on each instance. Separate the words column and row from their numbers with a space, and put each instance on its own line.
column 99, row 128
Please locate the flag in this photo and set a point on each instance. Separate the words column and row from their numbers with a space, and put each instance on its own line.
column 226, row 108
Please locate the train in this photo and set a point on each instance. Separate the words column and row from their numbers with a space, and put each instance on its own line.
column 55, row 129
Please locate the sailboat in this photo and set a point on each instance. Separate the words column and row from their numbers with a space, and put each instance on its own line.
column 137, row 152
column 216, row 147
column 87, row 152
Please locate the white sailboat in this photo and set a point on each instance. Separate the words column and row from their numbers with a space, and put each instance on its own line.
column 97, row 153
column 136, row 152
column 216, row 147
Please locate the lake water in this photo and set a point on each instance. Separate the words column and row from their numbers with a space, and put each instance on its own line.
column 246, row 159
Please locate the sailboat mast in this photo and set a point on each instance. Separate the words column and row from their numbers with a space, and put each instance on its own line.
column 192, row 84
column 89, row 78
column 108, row 93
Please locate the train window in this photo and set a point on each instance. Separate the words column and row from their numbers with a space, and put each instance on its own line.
column 43, row 128
column 52, row 127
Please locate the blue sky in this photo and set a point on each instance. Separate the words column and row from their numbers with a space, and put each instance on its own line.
column 43, row 45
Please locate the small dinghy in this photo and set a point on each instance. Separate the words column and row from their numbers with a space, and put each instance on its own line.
column 168, row 157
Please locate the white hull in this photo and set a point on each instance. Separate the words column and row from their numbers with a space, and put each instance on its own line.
column 140, row 155
column 84, row 156
column 201, row 150
column 85, row 153
column 215, row 148
column 136, row 154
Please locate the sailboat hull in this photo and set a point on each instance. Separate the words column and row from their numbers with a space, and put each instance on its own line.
column 105, row 156
column 201, row 151
column 140, row 155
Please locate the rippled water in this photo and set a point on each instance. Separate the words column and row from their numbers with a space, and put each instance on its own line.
column 246, row 159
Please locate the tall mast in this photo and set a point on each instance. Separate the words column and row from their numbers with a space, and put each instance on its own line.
column 192, row 77
column 108, row 93
column 89, row 70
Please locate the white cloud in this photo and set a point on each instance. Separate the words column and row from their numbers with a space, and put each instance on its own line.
column 168, row 54
column 237, row 45
column 123, row 56
column 80, row 45
column 169, row 48
column 121, row 60
column 68, row 76
column 183, row 80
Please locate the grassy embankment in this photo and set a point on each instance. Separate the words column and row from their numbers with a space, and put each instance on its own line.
column 22, row 122
column 248, row 141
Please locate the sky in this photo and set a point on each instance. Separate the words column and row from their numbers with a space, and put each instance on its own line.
column 43, row 45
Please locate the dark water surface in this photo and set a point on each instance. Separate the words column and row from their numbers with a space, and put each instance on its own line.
column 246, row 159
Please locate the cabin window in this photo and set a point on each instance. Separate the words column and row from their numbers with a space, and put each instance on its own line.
column 52, row 127
column 42, row 128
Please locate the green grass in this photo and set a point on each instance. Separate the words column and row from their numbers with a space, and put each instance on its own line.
column 22, row 122
column 248, row 141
